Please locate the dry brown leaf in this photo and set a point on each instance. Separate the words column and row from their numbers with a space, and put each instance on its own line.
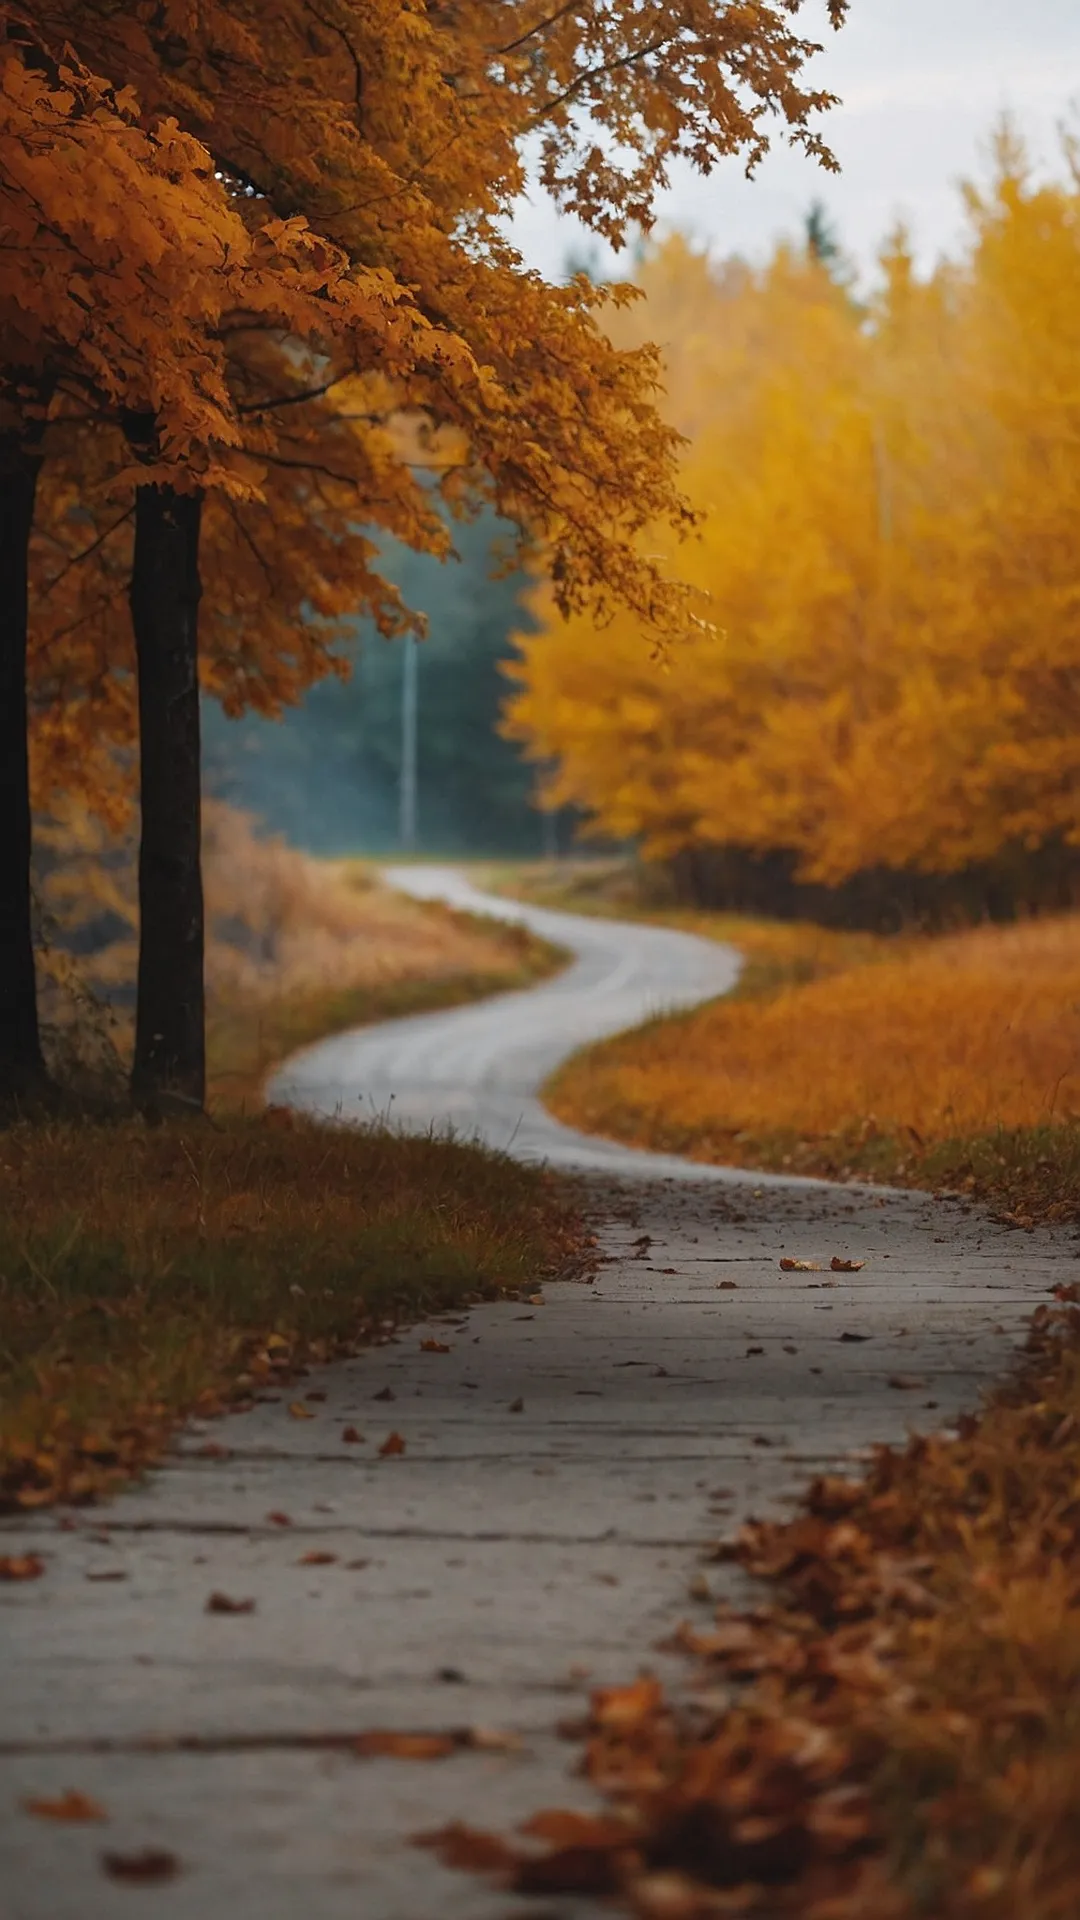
column 70, row 1805
column 535, row 1299
column 221, row 1603
column 517, row 1406
column 351, row 1435
column 905, row 1382
column 846, row 1266
column 298, row 1410
column 434, row 1346
column 278, row 1519
column 387, row 1393
column 316, row 1559
column 146, row 1868
column 385, row 1743
column 468, row 1849
column 728, row 1286
column 800, row 1266
column 392, row 1444
column 21, row 1566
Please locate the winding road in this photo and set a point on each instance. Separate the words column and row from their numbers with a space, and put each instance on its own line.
column 568, row 1458
column 479, row 1068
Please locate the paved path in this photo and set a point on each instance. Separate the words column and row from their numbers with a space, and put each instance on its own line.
column 508, row 1558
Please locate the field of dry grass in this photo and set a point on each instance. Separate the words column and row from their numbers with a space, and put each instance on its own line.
column 947, row 1061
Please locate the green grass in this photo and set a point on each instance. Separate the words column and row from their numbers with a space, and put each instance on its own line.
column 149, row 1273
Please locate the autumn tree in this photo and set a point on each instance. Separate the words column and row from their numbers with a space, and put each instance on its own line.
column 398, row 136
column 888, row 555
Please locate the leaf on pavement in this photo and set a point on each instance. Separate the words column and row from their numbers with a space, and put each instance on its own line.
column 905, row 1382
column 299, row 1412
column 468, row 1849
column 316, row 1559
column 387, row 1393
column 21, row 1566
column 405, row 1746
column 279, row 1519
column 392, row 1444
column 434, row 1346
column 800, row 1266
column 145, row 1868
column 350, row 1434
column 517, row 1406
column 70, row 1805
column 846, row 1266
column 221, row 1603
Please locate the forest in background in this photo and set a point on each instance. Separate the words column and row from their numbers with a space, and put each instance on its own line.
column 327, row 773
column 876, row 717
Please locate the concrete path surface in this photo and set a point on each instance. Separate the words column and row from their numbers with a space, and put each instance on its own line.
column 565, row 1463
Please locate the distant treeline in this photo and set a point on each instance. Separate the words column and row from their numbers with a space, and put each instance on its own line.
column 328, row 774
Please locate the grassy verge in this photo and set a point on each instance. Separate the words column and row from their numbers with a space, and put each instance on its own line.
column 246, row 1037
column 149, row 1274
column 146, row 1274
column 894, row 1731
column 950, row 1062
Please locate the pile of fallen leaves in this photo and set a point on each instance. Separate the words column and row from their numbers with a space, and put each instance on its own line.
column 897, row 1734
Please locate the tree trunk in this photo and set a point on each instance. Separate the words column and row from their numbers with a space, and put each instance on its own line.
column 169, row 1071
column 23, row 1078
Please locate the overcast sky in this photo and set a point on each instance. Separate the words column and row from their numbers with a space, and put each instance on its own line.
column 922, row 82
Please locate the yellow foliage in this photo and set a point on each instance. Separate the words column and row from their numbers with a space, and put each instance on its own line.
column 890, row 673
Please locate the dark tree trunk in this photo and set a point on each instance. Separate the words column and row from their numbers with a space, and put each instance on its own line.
column 23, row 1079
column 169, row 1071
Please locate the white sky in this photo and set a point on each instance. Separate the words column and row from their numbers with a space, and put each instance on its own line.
column 922, row 82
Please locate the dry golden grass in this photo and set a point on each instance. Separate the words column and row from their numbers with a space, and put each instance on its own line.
column 912, row 1059
column 297, row 948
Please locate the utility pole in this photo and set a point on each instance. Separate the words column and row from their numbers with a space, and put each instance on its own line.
column 407, row 785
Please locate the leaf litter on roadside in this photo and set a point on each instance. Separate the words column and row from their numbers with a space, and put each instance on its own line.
column 896, row 1733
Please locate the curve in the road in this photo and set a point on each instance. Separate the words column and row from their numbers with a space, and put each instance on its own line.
column 479, row 1068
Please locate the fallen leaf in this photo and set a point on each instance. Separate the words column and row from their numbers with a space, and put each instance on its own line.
column 434, row 1346
column 114, row 1573
column 351, row 1434
column 846, row 1266
column 221, row 1603
column 492, row 1740
column 800, row 1266
column 299, row 1412
column 278, row 1519
column 728, row 1286
column 69, row 1805
column 405, row 1746
column 316, row 1559
column 21, row 1566
column 153, row 1864
column 535, row 1299
column 392, row 1444
column 517, row 1406
column 386, row 1394
column 751, row 1350
column 905, row 1382
column 851, row 1337
column 468, row 1849
column 788, row 1349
